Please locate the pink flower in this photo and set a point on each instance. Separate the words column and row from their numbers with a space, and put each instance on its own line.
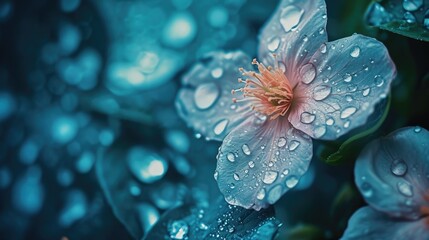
column 392, row 173
column 303, row 88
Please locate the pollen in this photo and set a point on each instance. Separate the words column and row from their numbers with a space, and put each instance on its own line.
column 268, row 90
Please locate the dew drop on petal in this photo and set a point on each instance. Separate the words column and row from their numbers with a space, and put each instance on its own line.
column 220, row 126
column 178, row 229
column 366, row 92
column 323, row 48
column 321, row 92
column 347, row 124
column 217, row 72
column 290, row 17
column 412, row 5
column 273, row 45
column 291, row 181
column 206, row 95
column 274, row 194
column 355, row 52
column 251, row 164
column 347, row 112
column 308, row 73
column 246, row 149
column 261, row 194
column 293, row 145
column 378, row 81
column 319, row 131
column 270, row 177
column 366, row 190
column 281, row 142
column 285, row 172
column 307, row 117
column 236, row 177
column 347, row 77
column 230, row 156
column 399, row 167
column 330, row 121
column 417, row 129
column 216, row 175
column 405, row 189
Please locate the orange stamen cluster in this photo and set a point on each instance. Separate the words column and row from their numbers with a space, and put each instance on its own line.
column 269, row 91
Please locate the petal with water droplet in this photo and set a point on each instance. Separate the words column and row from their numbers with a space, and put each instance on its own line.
column 345, row 96
column 367, row 223
column 268, row 163
column 297, row 25
column 205, row 101
column 397, row 167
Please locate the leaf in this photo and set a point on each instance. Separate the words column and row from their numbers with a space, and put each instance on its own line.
column 303, row 232
column 350, row 148
column 412, row 30
column 218, row 220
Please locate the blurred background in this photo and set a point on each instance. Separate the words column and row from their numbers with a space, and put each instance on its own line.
column 91, row 146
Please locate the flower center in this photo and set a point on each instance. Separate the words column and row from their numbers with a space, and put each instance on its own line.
column 269, row 91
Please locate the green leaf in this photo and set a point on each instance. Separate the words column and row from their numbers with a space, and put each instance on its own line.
column 350, row 148
column 412, row 30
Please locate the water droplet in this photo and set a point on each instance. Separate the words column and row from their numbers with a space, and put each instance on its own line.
column 236, row 177
column 308, row 73
column 347, row 124
column 273, row 45
column 321, row 92
column 349, row 98
column 291, row 181
column 285, row 172
column 305, row 39
column 269, row 177
column 231, row 157
column 366, row 190
column 251, row 164
column 378, row 80
column 220, row 127
column 355, row 52
column 281, row 142
column 409, row 17
column 319, row 131
column 290, row 17
column 405, row 188
column 275, row 194
column 246, row 149
column 366, row 92
column 217, row 72
column 178, row 229
column 232, row 185
column 399, row 167
column 412, row 5
column 146, row 165
column 307, row 117
column 206, row 95
column 293, row 145
column 231, row 229
column 347, row 77
column 261, row 194
column 323, row 48
column 330, row 121
column 216, row 175
column 203, row 226
column 352, row 88
column 417, row 129
column 347, row 112
column 321, row 31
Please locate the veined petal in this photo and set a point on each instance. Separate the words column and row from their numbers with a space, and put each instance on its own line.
column 294, row 33
column 205, row 100
column 367, row 223
column 259, row 161
column 351, row 75
column 392, row 173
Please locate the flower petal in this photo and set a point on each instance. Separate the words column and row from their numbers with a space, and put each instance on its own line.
column 351, row 75
column 367, row 223
column 392, row 173
column 205, row 101
column 294, row 33
column 259, row 161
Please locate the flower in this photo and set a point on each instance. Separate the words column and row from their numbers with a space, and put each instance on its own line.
column 392, row 173
column 303, row 88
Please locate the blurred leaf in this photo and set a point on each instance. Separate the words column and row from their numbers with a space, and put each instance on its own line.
column 350, row 148
column 219, row 220
column 303, row 232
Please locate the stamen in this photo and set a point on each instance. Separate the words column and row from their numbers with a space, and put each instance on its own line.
column 269, row 90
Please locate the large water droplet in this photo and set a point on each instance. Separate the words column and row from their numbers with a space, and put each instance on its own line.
column 319, row 131
column 307, row 117
column 293, row 145
column 281, row 142
column 412, row 5
column 330, row 121
column 321, row 92
column 399, row 167
column 270, row 177
column 347, row 112
column 220, row 127
column 217, row 72
column 236, row 176
column 178, row 229
column 405, row 188
column 308, row 73
column 355, row 52
column 231, row 157
column 275, row 194
column 261, row 194
column 206, row 95
column 273, row 45
column 290, row 17
column 291, row 181
column 246, row 149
